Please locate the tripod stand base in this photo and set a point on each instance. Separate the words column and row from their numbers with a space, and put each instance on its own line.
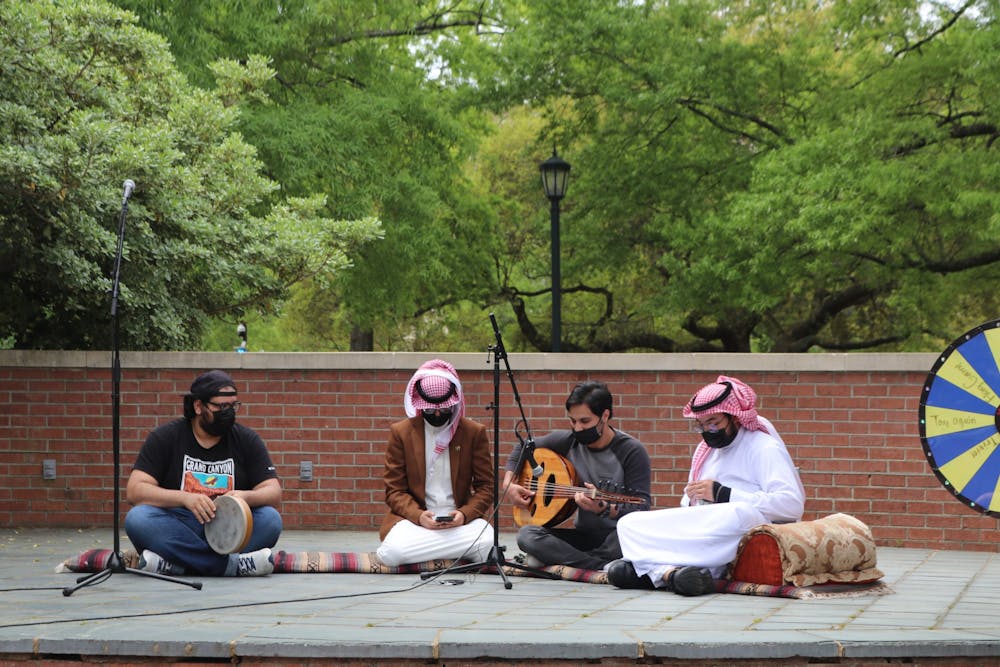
column 115, row 565
column 495, row 560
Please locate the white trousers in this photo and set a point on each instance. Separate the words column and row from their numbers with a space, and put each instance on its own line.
column 409, row 543
column 703, row 535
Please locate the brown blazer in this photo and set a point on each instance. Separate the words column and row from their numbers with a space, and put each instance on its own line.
column 405, row 471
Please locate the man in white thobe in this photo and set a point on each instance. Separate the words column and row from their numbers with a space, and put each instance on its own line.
column 741, row 477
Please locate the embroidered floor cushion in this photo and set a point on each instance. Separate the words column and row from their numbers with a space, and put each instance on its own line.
column 835, row 549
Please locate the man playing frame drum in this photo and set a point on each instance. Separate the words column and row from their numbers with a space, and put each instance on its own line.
column 201, row 470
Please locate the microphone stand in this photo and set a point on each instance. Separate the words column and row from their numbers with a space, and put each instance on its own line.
column 115, row 561
column 496, row 558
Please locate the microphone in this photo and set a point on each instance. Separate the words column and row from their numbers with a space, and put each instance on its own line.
column 528, row 449
column 129, row 186
column 536, row 468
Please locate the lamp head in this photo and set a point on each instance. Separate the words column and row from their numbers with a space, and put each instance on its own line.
column 555, row 176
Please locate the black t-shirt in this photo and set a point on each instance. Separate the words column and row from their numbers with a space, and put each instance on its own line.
column 172, row 455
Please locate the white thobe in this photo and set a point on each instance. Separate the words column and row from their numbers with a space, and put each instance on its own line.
column 765, row 488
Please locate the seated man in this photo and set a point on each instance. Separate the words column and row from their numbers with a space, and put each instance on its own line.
column 741, row 477
column 438, row 475
column 600, row 454
column 182, row 467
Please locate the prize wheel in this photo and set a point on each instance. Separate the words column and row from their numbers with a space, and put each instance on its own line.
column 960, row 418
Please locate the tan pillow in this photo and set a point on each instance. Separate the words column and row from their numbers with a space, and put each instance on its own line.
column 835, row 549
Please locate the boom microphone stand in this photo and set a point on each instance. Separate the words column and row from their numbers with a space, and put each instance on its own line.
column 115, row 562
column 496, row 558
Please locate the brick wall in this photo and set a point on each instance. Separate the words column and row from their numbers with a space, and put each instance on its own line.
column 850, row 422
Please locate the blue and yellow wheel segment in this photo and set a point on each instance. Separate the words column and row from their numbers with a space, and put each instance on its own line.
column 960, row 418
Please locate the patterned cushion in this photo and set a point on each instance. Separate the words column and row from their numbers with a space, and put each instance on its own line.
column 835, row 549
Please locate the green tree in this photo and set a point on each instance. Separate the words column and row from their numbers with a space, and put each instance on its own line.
column 359, row 115
column 753, row 175
column 87, row 97
column 763, row 175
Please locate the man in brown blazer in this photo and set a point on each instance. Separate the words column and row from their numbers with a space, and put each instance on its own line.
column 438, row 475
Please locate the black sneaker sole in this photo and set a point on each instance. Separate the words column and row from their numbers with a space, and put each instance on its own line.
column 622, row 574
column 691, row 581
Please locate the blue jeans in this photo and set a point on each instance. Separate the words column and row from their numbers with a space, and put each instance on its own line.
column 176, row 535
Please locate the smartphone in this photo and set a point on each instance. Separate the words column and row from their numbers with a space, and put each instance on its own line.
column 444, row 518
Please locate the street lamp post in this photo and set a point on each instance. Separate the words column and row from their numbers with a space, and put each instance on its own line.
column 555, row 177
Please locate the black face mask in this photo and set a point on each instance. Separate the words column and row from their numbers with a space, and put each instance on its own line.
column 438, row 418
column 222, row 421
column 719, row 439
column 588, row 436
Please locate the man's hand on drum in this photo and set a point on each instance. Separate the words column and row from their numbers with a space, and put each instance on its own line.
column 201, row 506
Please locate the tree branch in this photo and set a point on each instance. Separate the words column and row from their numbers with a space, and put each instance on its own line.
column 956, row 265
column 944, row 26
column 734, row 335
column 436, row 22
column 955, row 132
column 695, row 106
column 804, row 335
column 859, row 345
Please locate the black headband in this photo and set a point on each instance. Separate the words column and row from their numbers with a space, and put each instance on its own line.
column 715, row 401
column 439, row 400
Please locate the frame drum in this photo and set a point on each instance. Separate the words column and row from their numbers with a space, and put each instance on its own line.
column 232, row 526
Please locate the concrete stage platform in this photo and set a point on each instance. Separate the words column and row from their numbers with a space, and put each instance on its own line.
column 944, row 610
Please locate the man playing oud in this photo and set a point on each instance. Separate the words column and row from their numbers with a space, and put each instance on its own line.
column 613, row 468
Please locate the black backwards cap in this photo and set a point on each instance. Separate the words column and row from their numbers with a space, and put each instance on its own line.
column 205, row 386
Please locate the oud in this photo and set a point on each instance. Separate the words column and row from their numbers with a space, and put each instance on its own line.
column 554, row 491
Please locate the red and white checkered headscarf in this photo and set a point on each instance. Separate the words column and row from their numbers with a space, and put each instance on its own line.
column 435, row 385
column 728, row 396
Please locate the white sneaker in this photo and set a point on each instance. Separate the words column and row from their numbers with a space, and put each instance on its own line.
column 255, row 564
column 153, row 562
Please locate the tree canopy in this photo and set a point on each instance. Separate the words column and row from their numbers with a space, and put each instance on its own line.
column 88, row 99
column 758, row 175
column 356, row 115
column 746, row 176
